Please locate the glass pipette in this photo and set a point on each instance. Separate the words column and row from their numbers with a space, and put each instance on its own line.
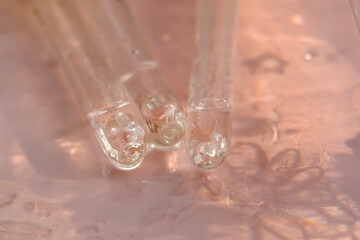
column 208, row 131
column 117, row 122
column 120, row 42
column 355, row 4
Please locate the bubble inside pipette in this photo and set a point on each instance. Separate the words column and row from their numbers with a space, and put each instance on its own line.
column 126, row 136
column 208, row 136
column 165, row 119
column 122, row 138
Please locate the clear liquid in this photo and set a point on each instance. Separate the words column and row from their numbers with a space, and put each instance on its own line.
column 165, row 120
column 208, row 134
column 121, row 136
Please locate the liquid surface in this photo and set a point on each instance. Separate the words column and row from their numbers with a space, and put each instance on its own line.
column 165, row 120
column 208, row 136
column 122, row 138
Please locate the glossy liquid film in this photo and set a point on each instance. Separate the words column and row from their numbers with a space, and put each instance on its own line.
column 122, row 138
column 208, row 135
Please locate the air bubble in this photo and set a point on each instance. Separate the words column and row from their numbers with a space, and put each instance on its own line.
column 122, row 138
column 208, row 136
column 165, row 120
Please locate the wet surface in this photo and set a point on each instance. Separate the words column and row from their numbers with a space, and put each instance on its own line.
column 293, row 168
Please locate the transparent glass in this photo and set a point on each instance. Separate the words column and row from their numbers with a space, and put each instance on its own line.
column 208, row 132
column 120, row 42
column 118, row 124
column 355, row 4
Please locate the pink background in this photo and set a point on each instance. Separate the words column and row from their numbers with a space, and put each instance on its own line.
column 293, row 169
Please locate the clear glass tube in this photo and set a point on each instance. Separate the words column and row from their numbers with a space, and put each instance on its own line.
column 355, row 4
column 117, row 121
column 120, row 42
column 208, row 131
